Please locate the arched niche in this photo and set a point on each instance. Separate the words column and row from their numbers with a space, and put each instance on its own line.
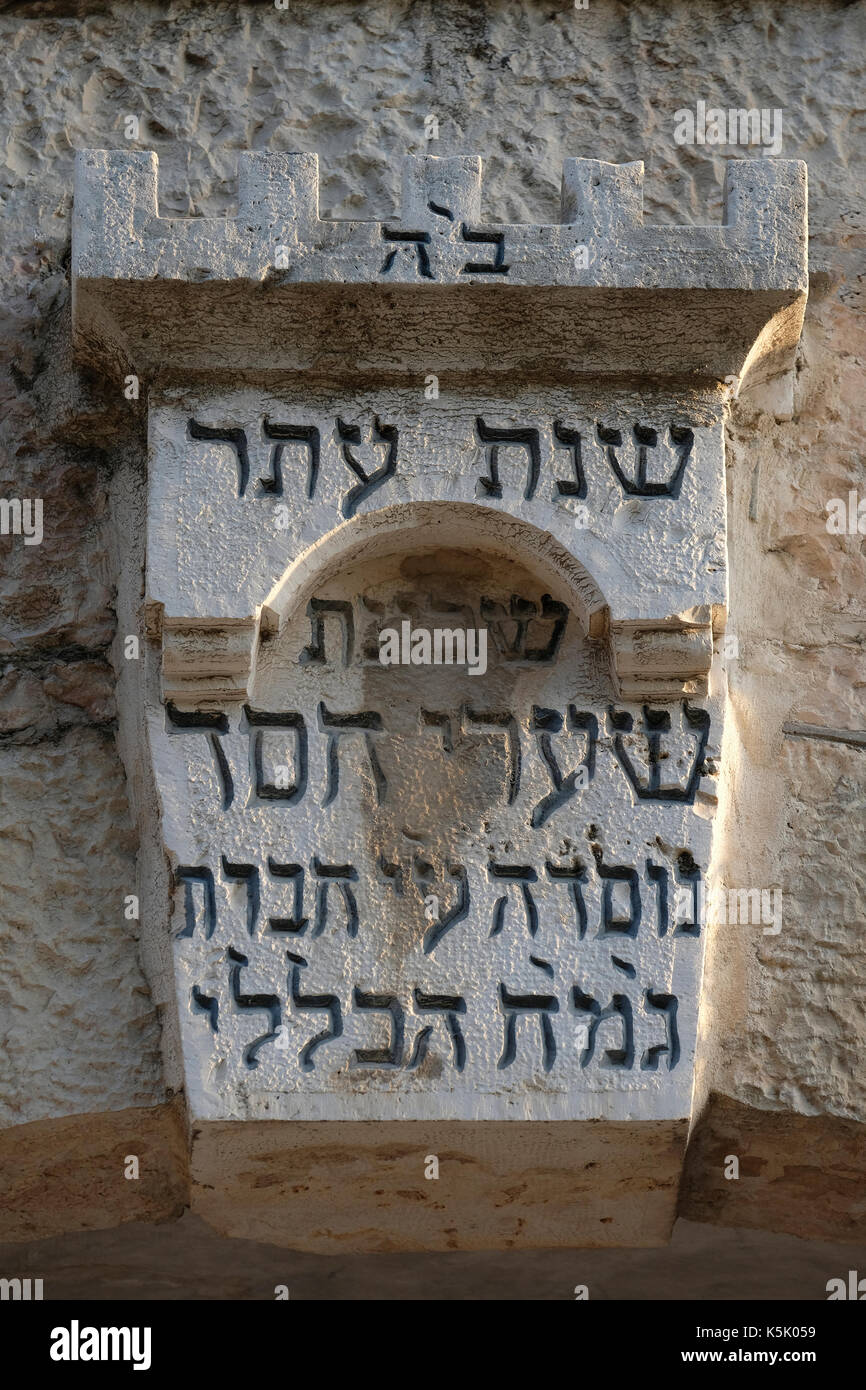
column 424, row 527
column 449, row 739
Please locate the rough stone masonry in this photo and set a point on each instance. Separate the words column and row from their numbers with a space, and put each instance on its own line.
column 407, row 903
column 88, row 1067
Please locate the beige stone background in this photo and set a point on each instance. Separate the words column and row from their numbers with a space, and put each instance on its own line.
column 782, row 1079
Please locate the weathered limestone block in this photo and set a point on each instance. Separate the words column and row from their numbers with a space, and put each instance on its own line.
column 647, row 518
column 444, row 905
column 276, row 288
column 68, row 1173
column 798, row 1173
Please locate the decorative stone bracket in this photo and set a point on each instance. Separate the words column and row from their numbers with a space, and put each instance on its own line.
column 432, row 898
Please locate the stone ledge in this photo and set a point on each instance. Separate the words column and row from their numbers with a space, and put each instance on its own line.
column 360, row 1186
column 802, row 1174
column 207, row 661
column 606, row 292
column 67, row 1174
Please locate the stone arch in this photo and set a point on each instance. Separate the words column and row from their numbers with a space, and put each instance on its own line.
column 415, row 760
column 441, row 524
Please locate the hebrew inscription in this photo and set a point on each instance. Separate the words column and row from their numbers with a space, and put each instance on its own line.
column 645, row 466
column 433, row 612
column 417, row 879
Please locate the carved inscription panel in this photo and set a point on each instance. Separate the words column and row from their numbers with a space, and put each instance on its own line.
column 431, row 859
column 248, row 482
column 435, row 589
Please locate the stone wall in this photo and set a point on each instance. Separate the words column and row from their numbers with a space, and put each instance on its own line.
column 525, row 86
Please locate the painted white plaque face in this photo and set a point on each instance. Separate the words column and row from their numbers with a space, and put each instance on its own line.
column 411, row 890
column 228, row 517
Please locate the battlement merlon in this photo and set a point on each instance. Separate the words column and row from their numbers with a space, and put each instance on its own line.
column 663, row 298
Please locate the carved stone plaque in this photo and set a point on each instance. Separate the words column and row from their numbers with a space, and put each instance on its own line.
column 431, row 717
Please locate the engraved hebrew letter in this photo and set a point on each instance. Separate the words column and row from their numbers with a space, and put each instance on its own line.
column 544, row 724
column 555, row 615
column 452, row 1005
column 646, row 438
column 258, row 721
column 238, row 441
column 337, row 726
column 611, row 874
column 299, row 434
column 665, row 1004
column 658, row 874
column 523, row 874
column 509, row 630
column 574, row 875
column 316, row 610
column 206, row 1004
column 369, row 482
column 568, row 487
column 458, row 913
column 329, row 1003
column 479, row 236
column 496, row 437
column 180, row 721
column 389, row 1056
column 297, row 923
column 370, row 640
column 688, row 872
column 619, row 1007
column 270, row 1003
column 649, row 787
column 342, row 875
column 420, row 240
column 248, row 874
column 502, row 721
column 515, row 1004
column 439, row 719
column 188, row 876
